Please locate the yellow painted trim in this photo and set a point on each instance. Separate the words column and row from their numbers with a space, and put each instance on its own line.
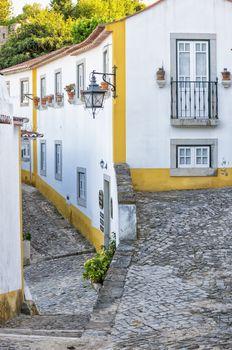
column 25, row 176
column 119, row 104
column 160, row 180
column 34, row 126
column 10, row 305
column 79, row 220
column 21, row 206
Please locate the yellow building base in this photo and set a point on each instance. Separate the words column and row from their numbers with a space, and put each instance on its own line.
column 27, row 178
column 10, row 305
column 79, row 220
column 160, row 180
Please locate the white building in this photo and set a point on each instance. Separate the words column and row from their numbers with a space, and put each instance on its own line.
column 173, row 128
column 11, row 276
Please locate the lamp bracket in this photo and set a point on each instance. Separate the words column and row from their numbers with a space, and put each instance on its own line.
column 104, row 76
column 29, row 96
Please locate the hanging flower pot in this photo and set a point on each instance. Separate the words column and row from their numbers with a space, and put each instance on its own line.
column 71, row 95
column 104, row 85
column 50, row 99
column 226, row 75
column 59, row 98
column 44, row 101
column 226, row 78
column 70, row 89
column 36, row 101
column 160, row 74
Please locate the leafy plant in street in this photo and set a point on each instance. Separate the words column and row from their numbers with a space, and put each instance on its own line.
column 95, row 269
column 28, row 236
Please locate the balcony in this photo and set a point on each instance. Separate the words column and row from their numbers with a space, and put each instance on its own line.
column 194, row 103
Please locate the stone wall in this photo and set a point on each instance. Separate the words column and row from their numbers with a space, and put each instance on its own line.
column 126, row 203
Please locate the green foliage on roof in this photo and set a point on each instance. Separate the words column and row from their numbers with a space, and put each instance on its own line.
column 43, row 30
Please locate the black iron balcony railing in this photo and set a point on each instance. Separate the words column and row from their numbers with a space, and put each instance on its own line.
column 194, row 99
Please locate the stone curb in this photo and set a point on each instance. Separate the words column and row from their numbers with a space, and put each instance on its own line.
column 105, row 309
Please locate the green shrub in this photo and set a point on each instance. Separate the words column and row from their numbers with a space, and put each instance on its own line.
column 95, row 269
column 28, row 236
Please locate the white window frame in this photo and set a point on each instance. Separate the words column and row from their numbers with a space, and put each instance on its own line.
column 58, row 167
column 26, row 151
column 192, row 156
column 106, row 61
column 79, row 86
column 43, row 162
column 8, row 86
column 58, row 71
column 81, row 197
column 211, row 170
column 24, row 101
column 43, row 93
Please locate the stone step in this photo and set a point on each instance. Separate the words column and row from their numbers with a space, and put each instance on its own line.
column 36, row 342
column 57, row 333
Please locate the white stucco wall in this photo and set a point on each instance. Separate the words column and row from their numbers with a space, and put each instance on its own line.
column 85, row 141
column 10, row 257
column 147, row 106
column 19, row 110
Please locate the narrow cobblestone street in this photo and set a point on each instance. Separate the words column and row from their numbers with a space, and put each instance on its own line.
column 64, row 300
column 178, row 288
column 169, row 290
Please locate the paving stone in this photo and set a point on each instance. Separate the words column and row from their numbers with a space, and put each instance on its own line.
column 178, row 288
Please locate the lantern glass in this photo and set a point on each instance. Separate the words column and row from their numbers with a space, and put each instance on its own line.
column 94, row 95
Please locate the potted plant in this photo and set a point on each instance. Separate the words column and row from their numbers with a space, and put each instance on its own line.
column 27, row 249
column 44, row 101
column 160, row 77
column 160, row 74
column 36, row 101
column 226, row 75
column 70, row 89
column 226, row 78
column 50, row 99
column 104, row 85
column 59, row 99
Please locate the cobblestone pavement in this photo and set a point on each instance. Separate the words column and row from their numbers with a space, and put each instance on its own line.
column 52, row 236
column 64, row 300
column 177, row 293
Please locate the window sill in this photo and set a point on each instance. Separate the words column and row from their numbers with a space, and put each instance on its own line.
column 194, row 122
column 188, row 172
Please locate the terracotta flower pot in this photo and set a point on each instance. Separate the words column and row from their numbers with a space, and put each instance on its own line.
column 36, row 101
column 226, row 75
column 44, row 101
column 71, row 95
column 104, row 85
column 160, row 74
column 50, row 98
column 59, row 98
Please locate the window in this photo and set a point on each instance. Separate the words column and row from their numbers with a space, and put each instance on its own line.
column 193, row 157
column 8, row 86
column 106, row 64
column 43, row 158
column 24, row 89
column 58, row 82
column 80, row 78
column 194, row 79
column 58, row 160
column 25, row 151
column 42, row 87
column 81, row 187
